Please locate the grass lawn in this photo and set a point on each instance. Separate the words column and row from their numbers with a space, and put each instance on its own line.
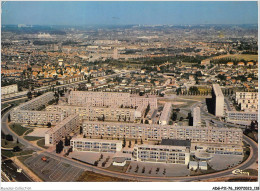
column 4, row 105
column 28, row 131
column 88, row 176
column 246, row 57
column 31, row 138
column 7, row 153
column 41, row 143
column 10, row 144
column 18, row 129
column 119, row 168
column 11, row 153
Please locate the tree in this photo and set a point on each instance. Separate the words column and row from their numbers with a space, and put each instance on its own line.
column 29, row 95
column 129, row 144
column 124, row 142
column 2, row 135
column 80, row 130
column 84, row 136
column 17, row 141
column 49, row 124
column 142, row 141
column 135, row 141
column 67, row 141
column 96, row 163
column 59, row 147
column 9, row 137
column 174, row 116
column 16, row 149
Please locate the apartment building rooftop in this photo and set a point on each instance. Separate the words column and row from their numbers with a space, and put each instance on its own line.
column 175, row 142
column 217, row 90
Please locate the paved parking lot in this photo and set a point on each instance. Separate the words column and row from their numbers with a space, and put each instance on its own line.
column 53, row 170
column 151, row 169
column 221, row 162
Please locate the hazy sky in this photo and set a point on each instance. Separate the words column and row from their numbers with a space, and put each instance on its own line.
column 89, row 13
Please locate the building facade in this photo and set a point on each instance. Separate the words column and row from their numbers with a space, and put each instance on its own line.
column 159, row 132
column 101, row 99
column 196, row 116
column 166, row 114
column 9, row 89
column 162, row 153
column 96, row 145
column 233, row 116
column 36, row 117
column 218, row 99
column 248, row 101
column 98, row 113
column 27, row 112
column 64, row 128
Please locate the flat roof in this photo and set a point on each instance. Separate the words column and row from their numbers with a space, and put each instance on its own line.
column 95, row 140
column 175, row 142
column 217, row 90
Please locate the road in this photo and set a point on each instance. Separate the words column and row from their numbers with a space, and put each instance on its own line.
column 251, row 160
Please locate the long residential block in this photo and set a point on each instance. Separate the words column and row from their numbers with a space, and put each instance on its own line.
column 100, row 99
column 98, row 113
column 62, row 129
column 95, row 145
column 162, row 153
column 159, row 132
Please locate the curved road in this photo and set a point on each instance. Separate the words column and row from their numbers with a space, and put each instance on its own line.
column 251, row 160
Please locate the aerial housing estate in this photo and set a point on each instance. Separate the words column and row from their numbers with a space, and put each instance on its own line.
column 107, row 118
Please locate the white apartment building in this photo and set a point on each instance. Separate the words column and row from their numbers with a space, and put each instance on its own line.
column 37, row 102
column 159, row 132
column 248, row 101
column 64, row 128
column 234, row 116
column 219, row 149
column 36, row 117
column 96, row 145
column 162, row 153
column 196, row 116
column 9, row 89
column 166, row 114
column 98, row 113
column 218, row 99
column 101, row 99
column 26, row 112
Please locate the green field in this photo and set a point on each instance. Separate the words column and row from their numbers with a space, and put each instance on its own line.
column 10, row 144
column 28, row 131
column 31, row 138
column 18, row 129
column 246, row 57
column 41, row 143
column 11, row 153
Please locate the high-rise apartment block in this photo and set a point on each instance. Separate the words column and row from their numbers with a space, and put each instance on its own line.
column 218, row 99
